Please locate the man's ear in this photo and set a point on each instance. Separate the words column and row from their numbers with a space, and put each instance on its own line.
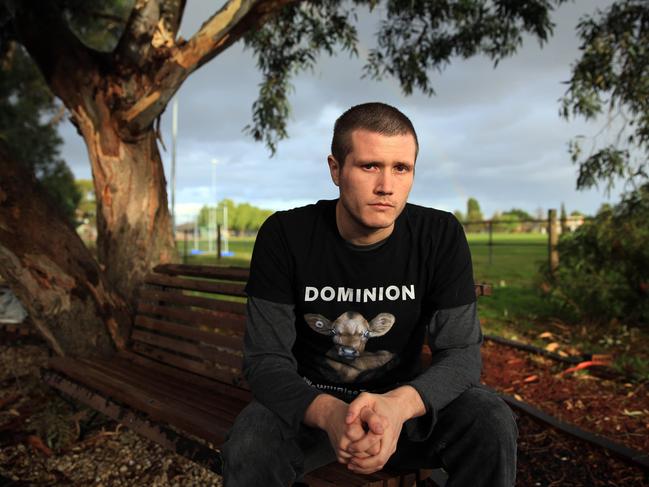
column 381, row 324
column 318, row 323
column 334, row 169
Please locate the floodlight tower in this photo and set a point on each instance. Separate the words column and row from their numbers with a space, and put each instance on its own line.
column 174, row 134
column 216, row 203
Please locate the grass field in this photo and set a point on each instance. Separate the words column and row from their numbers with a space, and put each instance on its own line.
column 512, row 260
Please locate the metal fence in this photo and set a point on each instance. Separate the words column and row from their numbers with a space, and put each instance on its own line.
column 499, row 235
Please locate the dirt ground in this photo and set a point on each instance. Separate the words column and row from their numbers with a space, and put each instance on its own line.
column 46, row 439
column 618, row 410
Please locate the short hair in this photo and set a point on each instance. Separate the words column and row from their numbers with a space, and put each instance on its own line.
column 376, row 117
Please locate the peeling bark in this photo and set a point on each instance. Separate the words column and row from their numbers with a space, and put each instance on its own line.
column 133, row 220
column 52, row 272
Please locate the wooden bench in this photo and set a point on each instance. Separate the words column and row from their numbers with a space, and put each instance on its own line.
column 179, row 382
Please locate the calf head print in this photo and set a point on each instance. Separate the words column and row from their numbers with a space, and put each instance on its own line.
column 350, row 333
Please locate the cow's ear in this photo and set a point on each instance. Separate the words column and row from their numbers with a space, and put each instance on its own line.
column 318, row 323
column 381, row 324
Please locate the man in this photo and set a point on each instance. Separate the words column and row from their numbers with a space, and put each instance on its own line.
column 341, row 296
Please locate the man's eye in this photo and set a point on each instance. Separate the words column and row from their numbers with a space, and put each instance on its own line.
column 402, row 168
column 369, row 166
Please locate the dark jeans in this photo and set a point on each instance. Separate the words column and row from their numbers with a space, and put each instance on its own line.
column 473, row 439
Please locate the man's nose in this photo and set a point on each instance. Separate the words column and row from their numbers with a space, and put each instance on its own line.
column 385, row 183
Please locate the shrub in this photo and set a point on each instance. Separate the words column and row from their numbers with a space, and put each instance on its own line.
column 603, row 272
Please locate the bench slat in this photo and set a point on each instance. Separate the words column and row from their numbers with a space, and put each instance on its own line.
column 211, row 427
column 227, row 288
column 317, row 482
column 483, row 289
column 176, row 297
column 339, row 475
column 166, row 437
column 200, row 351
column 234, row 342
column 196, row 318
column 223, row 374
column 208, row 271
column 152, row 381
column 384, row 478
column 204, row 383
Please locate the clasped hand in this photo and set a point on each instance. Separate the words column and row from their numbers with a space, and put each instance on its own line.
column 368, row 435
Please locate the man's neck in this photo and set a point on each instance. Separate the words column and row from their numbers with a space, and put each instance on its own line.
column 356, row 234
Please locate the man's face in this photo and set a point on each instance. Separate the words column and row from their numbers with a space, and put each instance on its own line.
column 374, row 183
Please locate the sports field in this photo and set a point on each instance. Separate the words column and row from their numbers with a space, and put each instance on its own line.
column 511, row 266
column 512, row 260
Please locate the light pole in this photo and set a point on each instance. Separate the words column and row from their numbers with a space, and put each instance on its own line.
column 213, row 213
column 225, row 231
column 174, row 134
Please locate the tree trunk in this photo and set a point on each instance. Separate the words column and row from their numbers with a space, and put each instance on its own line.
column 133, row 220
column 115, row 100
column 52, row 272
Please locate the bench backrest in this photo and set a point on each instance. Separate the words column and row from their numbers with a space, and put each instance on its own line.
column 193, row 318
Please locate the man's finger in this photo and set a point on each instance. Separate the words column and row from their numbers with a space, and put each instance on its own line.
column 357, row 405
column 374, row 449
column 365, row 443
column 373, row 420
column 343, row 460
column 369, row 462
column 366, row 465
column 361, row 454
column 354, row 432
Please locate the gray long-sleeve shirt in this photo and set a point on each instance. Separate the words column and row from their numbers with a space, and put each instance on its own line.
column 270, row 367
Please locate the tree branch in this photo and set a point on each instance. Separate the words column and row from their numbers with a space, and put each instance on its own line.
column 56, row 51
column 172, row 13
column 218, row 33
column 135, row 46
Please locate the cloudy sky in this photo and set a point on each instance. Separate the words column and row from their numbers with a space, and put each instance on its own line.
column 492, row 134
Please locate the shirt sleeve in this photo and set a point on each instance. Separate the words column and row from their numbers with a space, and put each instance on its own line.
column 269, row 364
column 454, row 337
column 452, row 283
column 271, row 266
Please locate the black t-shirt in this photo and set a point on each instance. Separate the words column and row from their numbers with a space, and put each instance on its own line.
column 361, row 315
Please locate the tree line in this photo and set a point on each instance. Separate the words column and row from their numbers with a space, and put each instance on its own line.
column 515, row 220
column 243, row 218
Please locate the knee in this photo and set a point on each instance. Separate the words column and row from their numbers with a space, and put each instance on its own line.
column 494, row 421
column 256, row 433
column 255, row 451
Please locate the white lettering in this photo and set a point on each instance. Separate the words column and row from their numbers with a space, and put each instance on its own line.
column 327, row 293
column 408, row 292
column 345, row 294
column 310, row 293
column 341, row 294
column 369, row 295
column 392, row 293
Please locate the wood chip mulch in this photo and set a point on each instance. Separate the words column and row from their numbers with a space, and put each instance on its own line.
column 618, row 410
